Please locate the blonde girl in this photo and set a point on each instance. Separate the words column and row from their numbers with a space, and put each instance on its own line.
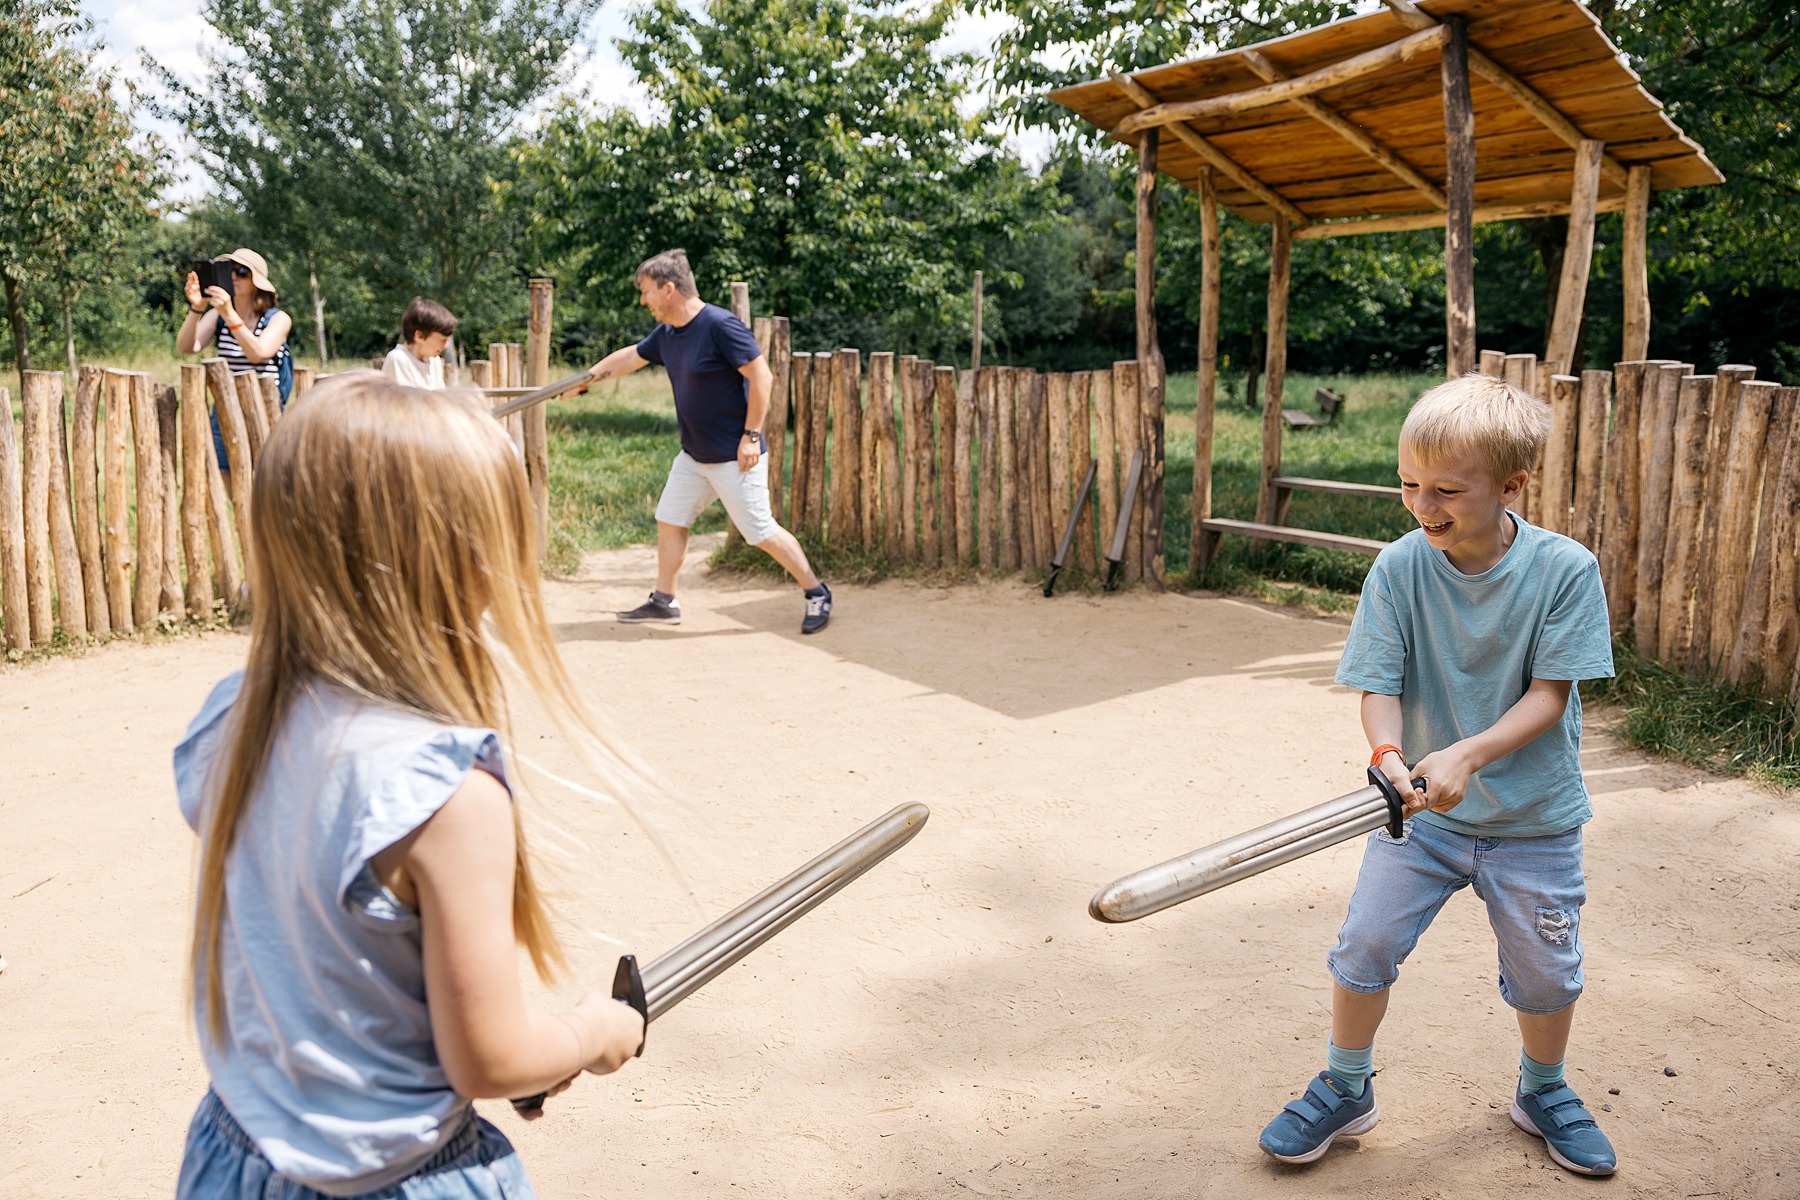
column 364, row 883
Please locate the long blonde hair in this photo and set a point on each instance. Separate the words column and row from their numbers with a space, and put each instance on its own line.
column 393, row 554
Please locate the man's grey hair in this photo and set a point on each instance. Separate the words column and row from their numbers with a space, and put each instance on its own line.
column 671, row 266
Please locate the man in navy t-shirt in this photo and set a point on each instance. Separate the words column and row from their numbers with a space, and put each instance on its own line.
column 721, row 383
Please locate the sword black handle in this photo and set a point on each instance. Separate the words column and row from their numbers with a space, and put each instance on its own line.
column 627, row 988
column 1396, row 806
column 1050, row 583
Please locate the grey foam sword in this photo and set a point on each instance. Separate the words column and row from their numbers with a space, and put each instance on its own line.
column 672, row 977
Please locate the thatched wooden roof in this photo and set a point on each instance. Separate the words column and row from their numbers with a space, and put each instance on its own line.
column 1364, row 136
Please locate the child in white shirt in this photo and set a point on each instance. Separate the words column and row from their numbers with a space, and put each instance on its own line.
column 425, row 330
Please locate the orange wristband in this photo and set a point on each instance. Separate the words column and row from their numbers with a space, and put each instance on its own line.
column 1380, row 751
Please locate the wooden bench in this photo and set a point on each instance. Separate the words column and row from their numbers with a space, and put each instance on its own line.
column 1330, row 405
column 1213, row 529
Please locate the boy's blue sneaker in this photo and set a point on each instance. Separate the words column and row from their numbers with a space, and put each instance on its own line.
column 1305, row 1129
column 1557, row 1115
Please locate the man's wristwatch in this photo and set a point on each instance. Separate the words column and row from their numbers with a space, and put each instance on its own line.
column 758, row 435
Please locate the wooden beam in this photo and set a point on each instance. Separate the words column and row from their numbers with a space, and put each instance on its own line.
column 1430, row 220
column 1201, row 507
column 1636, row 272
column 1224, row 163
column 1459, row 209
column 1275, row 366
column 1349, row 70
column 1150, row 361
column 1332, row 120
column 1578, row 257
column 1521, row 92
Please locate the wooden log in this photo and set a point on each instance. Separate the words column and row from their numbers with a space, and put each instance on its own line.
column 39, row 424
column 925, row 447
column 1636, row 273
column 117, row 442
column 1275, row 370
column 1578, row 254
column 1485, row 214
column 1520, row 370
column 870, row 471
column 881, row 409
column 1200, row 505
column 71, row 589
column 1558, row 489
column 1056, row 414
column 962, row 469
column 797, row 519
column 85, row 492
column 843, row 522
column 15, row 604
column 170, row 597
column 1459, row 202
column 1733, row 535
column 1681, row 550
column 1006, row 418
column 1492, row 363
column 227, row 571
column 249, row 406
column 541, row 303
column 942, row 486
column 909, row 457
column 1037, row 438
column 271, row 399
column 195, row 484
column 1151, row 371
column 1129, row 432
column 303, row 383
column 781, row 368
column 740, row 301
column 1771, row 651
column 987, row 413
column 1106, row 443
column 1740, row 663
column 1590, row 458
column 240, row 479
column 147, row 583
column 1711, row 503
column 1620, row 520
column 820, row 437
column 1663, row 396
column 481, row 373
column 1081, row 454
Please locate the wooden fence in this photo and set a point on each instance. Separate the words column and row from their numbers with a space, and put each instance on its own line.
column 1687, row 489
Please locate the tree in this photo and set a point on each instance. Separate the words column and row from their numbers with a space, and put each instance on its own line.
column 366, row 141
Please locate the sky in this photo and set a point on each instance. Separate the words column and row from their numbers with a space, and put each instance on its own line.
column 174, row 33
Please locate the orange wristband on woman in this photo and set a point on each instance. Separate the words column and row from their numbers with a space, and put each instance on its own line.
column 1380, row 751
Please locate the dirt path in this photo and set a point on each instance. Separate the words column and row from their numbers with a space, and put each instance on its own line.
column 954, row 1023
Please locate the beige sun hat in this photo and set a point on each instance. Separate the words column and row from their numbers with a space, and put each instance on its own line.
column 259, row 267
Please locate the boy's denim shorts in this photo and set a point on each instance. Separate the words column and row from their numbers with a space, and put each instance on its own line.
column 1533, row 888
column 220, row 1162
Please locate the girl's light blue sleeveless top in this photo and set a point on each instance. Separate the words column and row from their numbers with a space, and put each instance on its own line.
column 328, row 1061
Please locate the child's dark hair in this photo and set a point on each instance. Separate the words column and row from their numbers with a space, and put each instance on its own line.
column 426, row 316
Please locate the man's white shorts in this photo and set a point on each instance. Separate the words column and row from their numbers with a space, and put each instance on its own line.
column 692, row 486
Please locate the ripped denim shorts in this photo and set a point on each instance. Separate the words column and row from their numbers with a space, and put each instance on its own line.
column 1533, row 888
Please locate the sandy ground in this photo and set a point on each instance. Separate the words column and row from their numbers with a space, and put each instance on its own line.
column 953, row 1023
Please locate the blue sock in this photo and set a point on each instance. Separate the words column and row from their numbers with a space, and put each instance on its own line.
column 1351, row 1068
column 1535, row 1076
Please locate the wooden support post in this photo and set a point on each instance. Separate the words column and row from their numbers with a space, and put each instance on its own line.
column 481, row 373
column 1663, row 395
column 1771, row 650
column 1681, row 550
column 1520, row 370
column 170, row 598
column 819, row 437
column 303, row 383
column 271, row 400
column 15, row 605
column 227, row 572
column 781, row 367
column 1741, row 662
column 240, row 478
column 1106, row 453
column 1151, row 373
column 1081, row 453
column 1026, row 492
column 797, row 518
column 1043, row 538
column 962, row 468
column 1492, row 363
column 1459, row 193
column 922, row 445
column 541, row 300
column 1636, row 268
column 881, row 412
column 909, row 457
column 1200, row 507
column 1276, row 367
column 1129, row 432
column 196, row 449
column 1056, row 412
column 85, row 492
column 118, row 503
column 1557, row 491
column 1732, row 522
column 1590, row 457
column 975, row 340
column 870, row 472
column 843, row 527
column 1578, row 256
column 71, row 589
column 1006, row 417
column 249, row 406
column 147, row 584
column 1620, row 518
column 987, row 412
column 941, row 490
column 39, row 426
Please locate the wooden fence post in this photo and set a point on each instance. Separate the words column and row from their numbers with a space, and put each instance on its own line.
column 962, row 468
column 1590, row 457
column 781, row 364
column 196, row 448
column 1081, row 453
column 1741, row 414
column 15, row 605
column 1681, row 555
column 1200, row 508
column 1275, row 376
column 1663, row 395
column 987, row 535
column 943, row 479
column 1740, row 662
column 908, row 383
column 929, row 533
column 71, row 590
column 541, row 301
column 1106, row 478
column 1619, row 527
column 481, row 374
column 797, row 518
column 84, row 490
column 170, row 597
column 219, row 518
column 1779, row 642
column 1056, row 400
column 1492, row 363
column 1006, row 420
column 1520, row 370
column 39, row 579
column 1559, row 453
column 818, row 439
column 241, row 475
column 881, row 412
column 118, row 502
column 303, row 382
column 250, row 405
column 147, row 585
column 843, row 527
column 1129, row 432
column 869, row 469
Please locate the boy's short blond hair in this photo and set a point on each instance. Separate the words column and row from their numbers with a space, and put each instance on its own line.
column 1479, row 415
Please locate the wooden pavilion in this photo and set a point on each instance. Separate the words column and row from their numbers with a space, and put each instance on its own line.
column 1441, row 113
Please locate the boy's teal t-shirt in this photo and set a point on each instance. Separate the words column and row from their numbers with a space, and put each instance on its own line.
column 1459, row 650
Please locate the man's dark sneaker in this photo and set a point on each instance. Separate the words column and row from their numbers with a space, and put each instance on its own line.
column 653, row 612
column 818, row 610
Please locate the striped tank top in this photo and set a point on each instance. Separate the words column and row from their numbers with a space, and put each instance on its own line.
column 233, row 354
